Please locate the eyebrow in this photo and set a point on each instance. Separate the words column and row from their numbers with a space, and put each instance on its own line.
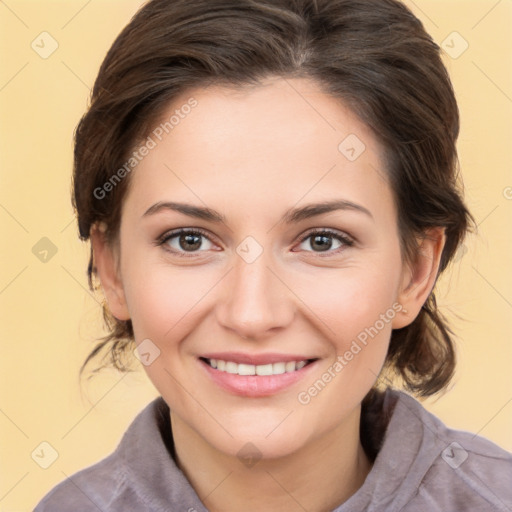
column 291, row 216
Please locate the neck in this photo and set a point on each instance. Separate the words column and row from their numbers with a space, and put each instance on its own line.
column 318, row 477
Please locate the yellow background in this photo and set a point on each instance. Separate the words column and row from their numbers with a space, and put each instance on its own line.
column 48, row 318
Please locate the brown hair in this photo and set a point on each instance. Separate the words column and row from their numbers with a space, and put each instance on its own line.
column 372, row 54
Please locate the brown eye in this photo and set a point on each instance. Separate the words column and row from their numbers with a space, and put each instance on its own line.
column 324, row 241
column 190, row 241
column 186, row 241
column 321, row 242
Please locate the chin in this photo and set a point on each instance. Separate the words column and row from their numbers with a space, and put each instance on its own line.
column 259, row 431
column 249, row 444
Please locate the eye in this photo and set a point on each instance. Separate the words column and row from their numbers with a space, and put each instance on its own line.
column 324, row 240
column 184, row 241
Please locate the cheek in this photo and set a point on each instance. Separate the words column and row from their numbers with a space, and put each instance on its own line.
column 354, row 309
column 358, row 324
column 163, row 300
column 350, row 301
column 166, row 306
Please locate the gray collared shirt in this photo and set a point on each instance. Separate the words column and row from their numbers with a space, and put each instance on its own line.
column 422, row 466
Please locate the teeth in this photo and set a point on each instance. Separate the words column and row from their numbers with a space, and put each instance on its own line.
column 231, row 367
column 278, row 368
column 260, row 369
column 290, row 367
column 264, row 369
column 246, row 369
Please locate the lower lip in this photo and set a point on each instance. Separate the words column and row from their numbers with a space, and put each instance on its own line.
column 255, row 385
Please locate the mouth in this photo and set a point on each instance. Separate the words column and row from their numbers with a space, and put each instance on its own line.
column 256, row 376
column 277, row 368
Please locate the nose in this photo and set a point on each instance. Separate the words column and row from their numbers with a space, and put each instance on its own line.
column 255, row 302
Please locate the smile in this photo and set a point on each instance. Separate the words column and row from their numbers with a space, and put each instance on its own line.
column 261, row 369
column 256, row 376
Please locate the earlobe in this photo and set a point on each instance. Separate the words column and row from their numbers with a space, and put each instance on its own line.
column 105, row 260
column 419, row 277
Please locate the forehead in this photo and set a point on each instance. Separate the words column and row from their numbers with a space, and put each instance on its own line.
column 280, row 114
column 283, row 138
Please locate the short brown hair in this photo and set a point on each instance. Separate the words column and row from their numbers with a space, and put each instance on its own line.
column 373, row 54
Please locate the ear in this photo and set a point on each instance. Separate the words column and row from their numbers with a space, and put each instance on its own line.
column 106, row 263
column 419, row 277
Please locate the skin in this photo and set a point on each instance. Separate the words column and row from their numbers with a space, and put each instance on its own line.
column 251, row 155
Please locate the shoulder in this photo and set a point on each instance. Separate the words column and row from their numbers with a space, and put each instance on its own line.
column 108, row 484
column 91, row 488
column 456, row 470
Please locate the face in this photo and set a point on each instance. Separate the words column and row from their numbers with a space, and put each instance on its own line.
column 257, row 238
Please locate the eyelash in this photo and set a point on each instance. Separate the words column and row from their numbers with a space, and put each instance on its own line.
column 344, row 239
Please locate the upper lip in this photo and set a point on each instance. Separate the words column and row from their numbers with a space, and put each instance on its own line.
column 256, row 359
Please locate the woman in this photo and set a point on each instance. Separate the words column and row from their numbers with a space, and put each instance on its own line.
column 270, row 192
